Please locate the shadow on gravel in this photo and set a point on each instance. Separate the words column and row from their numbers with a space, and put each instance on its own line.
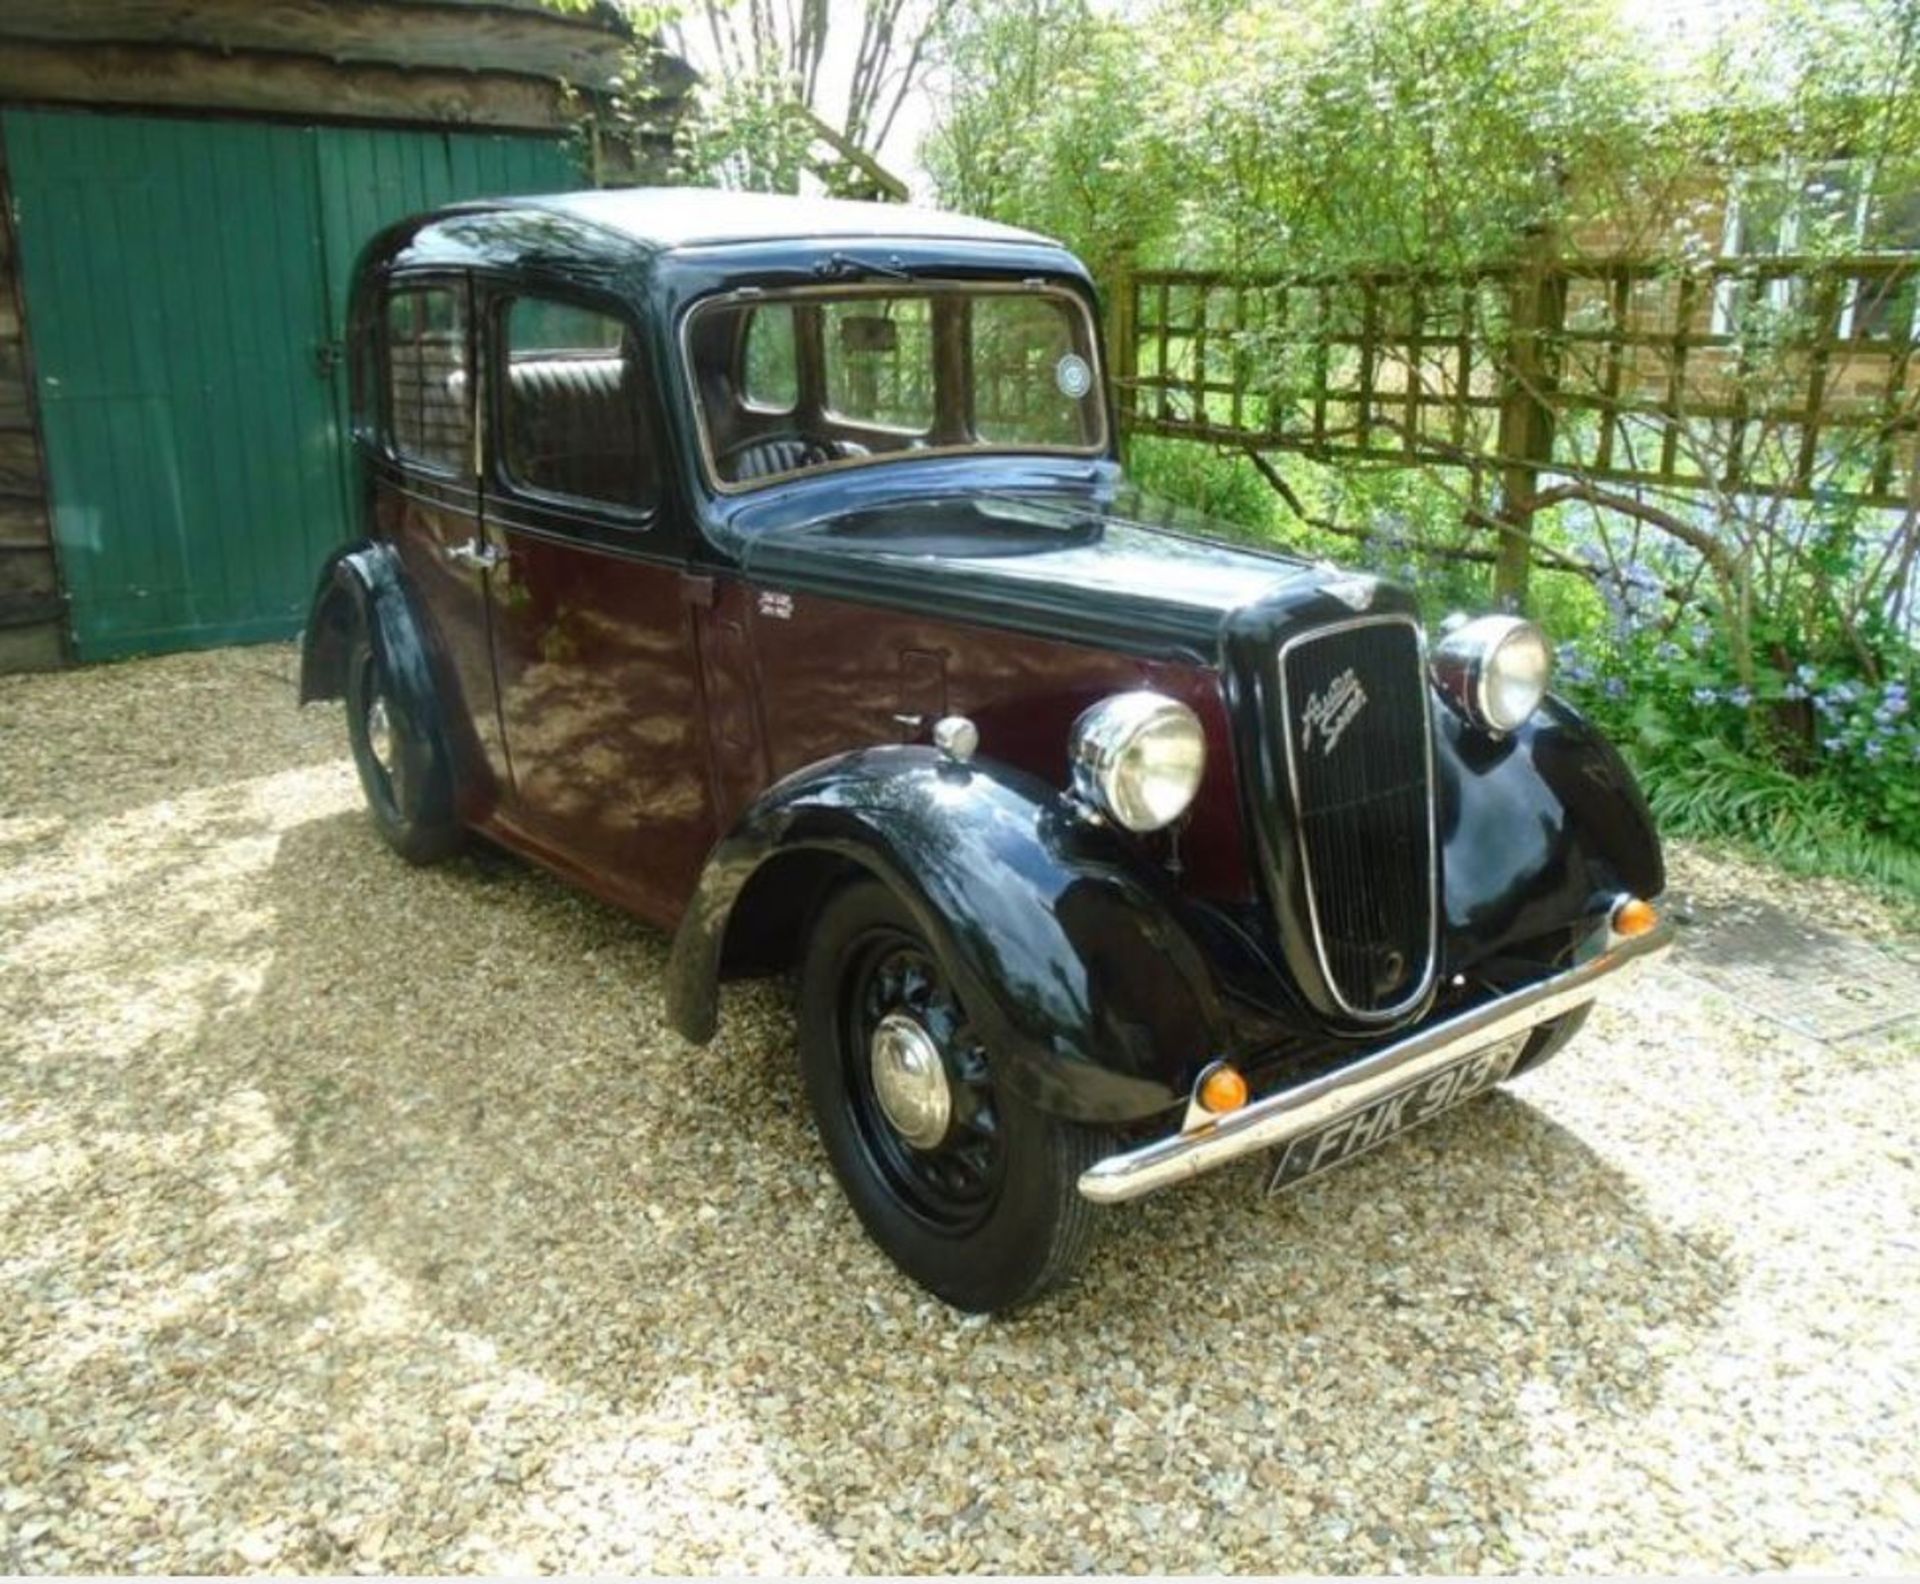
column 376, row 1219
column 82, row 744
column 473, row 1072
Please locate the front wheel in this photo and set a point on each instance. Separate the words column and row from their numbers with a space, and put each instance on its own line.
column 970, row 1190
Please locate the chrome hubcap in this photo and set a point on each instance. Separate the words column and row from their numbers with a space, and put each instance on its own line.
column 380, row 735
column 910, row 1081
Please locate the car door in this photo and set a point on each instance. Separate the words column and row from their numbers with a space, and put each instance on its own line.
column 427, row 504
column 593, row 639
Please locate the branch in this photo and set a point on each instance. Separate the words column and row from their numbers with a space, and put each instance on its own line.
column 1548, row 559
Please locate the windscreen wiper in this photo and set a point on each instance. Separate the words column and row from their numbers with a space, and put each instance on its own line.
column 843, row 266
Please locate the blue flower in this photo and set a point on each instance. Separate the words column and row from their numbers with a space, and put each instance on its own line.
column 1794, row 692
column 1740, row 698
column 1806, row 675
column 1667, row 651
column 1875, row 747
column 1834, row 745
column 1704, row 695
column 1885, row 716
column 1616, row 688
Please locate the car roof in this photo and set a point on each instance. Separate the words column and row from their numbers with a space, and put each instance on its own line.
column 688, row 217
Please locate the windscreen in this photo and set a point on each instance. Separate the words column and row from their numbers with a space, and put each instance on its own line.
column 834, row 377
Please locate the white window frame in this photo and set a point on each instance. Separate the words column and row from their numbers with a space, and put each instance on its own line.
column 1793, row 176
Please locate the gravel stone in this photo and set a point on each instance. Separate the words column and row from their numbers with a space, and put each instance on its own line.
column 358, row 1218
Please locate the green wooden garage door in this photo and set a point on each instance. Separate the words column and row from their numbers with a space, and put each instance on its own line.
column 184, row 282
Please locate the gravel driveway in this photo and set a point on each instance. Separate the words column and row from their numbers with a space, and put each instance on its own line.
column 355, row 1217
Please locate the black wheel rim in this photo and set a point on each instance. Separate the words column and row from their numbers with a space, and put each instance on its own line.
column 953, row 1185
column 383, row 779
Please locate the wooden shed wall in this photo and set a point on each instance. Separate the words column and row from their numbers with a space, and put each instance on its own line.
column 500, row 65
column 31, row 629
column 476, row 63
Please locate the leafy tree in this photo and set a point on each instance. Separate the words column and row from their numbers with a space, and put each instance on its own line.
column 1742, row 642
column 768, row 108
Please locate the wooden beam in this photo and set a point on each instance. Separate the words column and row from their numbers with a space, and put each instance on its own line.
column 23, row 522
column 409, row 33
column 27, row 573
column 887, row 186
column 19, row 465
column 16, row 411
column 186, row 78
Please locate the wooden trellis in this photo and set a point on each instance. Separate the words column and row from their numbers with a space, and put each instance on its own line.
column 1782, row 377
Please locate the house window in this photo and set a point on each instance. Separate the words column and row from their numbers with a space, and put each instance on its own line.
column 428, row 397
column 1820, row 210
column 1884, row 304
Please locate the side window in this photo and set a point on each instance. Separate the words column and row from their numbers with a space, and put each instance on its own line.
column 571, row 405
column 879, row 354
column 770, row 381
column 428, row 397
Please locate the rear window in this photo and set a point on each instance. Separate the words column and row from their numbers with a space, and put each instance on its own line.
column 429, row 399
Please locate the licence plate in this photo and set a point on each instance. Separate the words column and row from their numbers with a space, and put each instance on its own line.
column 1393, row 1113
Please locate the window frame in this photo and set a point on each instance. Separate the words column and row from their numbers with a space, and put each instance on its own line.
column 501, row 294
column 411, row 283
column 1794, row 175
column 1070, row 292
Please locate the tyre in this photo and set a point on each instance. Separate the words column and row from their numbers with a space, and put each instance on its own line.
column 403, row 772
column 970, row 1190
column 1549, row 1039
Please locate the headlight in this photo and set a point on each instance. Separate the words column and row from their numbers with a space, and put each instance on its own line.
column 1494, row 670
column 1139, row 757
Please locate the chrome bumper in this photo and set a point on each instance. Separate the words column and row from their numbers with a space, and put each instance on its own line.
column 1283, row 1117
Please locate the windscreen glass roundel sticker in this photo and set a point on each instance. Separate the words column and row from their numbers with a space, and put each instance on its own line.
column 1073, row 376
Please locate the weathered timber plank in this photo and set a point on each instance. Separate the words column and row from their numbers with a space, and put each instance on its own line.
column 178, row 76
column 19, row 465
column 15, row 408
column 526, row 42
column 36, row 648
column 28, row 574
column 23, row 522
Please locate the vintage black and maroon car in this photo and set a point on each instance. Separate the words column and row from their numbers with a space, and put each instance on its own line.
column 764, row 565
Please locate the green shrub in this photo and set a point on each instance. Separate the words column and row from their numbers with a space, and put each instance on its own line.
column 1817, row 762
column 1226, row 487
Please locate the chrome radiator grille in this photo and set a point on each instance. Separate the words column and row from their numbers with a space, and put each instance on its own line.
column 1360, row 770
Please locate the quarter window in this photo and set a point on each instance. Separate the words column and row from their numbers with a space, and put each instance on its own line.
column 572, row 404
column 772, row 375
column 428, row 397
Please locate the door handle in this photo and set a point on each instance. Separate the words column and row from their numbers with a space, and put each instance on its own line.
column 476, row 553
